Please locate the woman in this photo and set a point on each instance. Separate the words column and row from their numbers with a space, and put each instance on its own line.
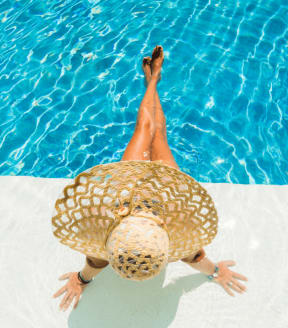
column 149, row 143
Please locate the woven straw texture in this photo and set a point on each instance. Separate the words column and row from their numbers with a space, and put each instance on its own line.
column 138, row 248
column 88, row 210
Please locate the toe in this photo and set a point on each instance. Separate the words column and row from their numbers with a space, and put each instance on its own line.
column 158, row 51
column 154, row 54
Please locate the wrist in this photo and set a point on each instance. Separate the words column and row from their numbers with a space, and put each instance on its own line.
column 92, row 268
column 82, row 279
column 214, row 274
column 205, row 266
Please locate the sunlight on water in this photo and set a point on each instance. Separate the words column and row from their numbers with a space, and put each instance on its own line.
column 71, row 82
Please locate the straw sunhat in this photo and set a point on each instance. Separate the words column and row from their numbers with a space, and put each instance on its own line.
column 138, row 215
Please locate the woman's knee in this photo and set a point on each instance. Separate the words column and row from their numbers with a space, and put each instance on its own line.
column 146, row 126
column 160, row 125
column 160, row 130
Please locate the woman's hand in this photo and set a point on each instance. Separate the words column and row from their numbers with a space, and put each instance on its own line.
column 227, row 278
column 72, row 289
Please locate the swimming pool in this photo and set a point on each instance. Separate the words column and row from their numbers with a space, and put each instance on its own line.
column 71, row 83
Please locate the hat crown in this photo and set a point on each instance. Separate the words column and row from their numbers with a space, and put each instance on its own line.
column 138, row 248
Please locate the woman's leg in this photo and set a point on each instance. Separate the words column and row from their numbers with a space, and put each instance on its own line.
column 160, row 149
column 139, row 147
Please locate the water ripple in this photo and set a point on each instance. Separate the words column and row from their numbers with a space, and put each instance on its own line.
column 71, row 83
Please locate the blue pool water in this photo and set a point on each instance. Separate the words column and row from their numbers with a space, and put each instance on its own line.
column 71, row 83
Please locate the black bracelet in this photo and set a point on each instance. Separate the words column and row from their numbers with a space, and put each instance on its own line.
column 81, row 279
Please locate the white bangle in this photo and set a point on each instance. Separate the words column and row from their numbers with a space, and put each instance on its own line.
column 215, row 274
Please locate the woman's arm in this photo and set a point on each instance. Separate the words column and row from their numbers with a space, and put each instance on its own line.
column 74, row 287
column 226, row 278
column 200, row 262
column 92, row 267
column 204, row 266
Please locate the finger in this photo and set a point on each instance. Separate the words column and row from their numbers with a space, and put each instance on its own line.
column 60, row 291
column 228, row 290
column 64, row 300
column 237, row 283
column 65, row 276
column 68, row 301
column 76, row 301
column 237, row 288
column 239, row 276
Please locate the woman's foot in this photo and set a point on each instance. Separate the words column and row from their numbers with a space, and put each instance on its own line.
column 147, row 69
column 157, row 61
column 154, row 64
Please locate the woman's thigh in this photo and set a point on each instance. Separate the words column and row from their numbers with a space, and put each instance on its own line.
column 160, row 150
column 139, row 147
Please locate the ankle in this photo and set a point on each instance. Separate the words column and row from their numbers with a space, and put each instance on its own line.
column 155, row 75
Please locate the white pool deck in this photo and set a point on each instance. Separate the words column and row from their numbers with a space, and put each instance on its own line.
column 253, row 231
